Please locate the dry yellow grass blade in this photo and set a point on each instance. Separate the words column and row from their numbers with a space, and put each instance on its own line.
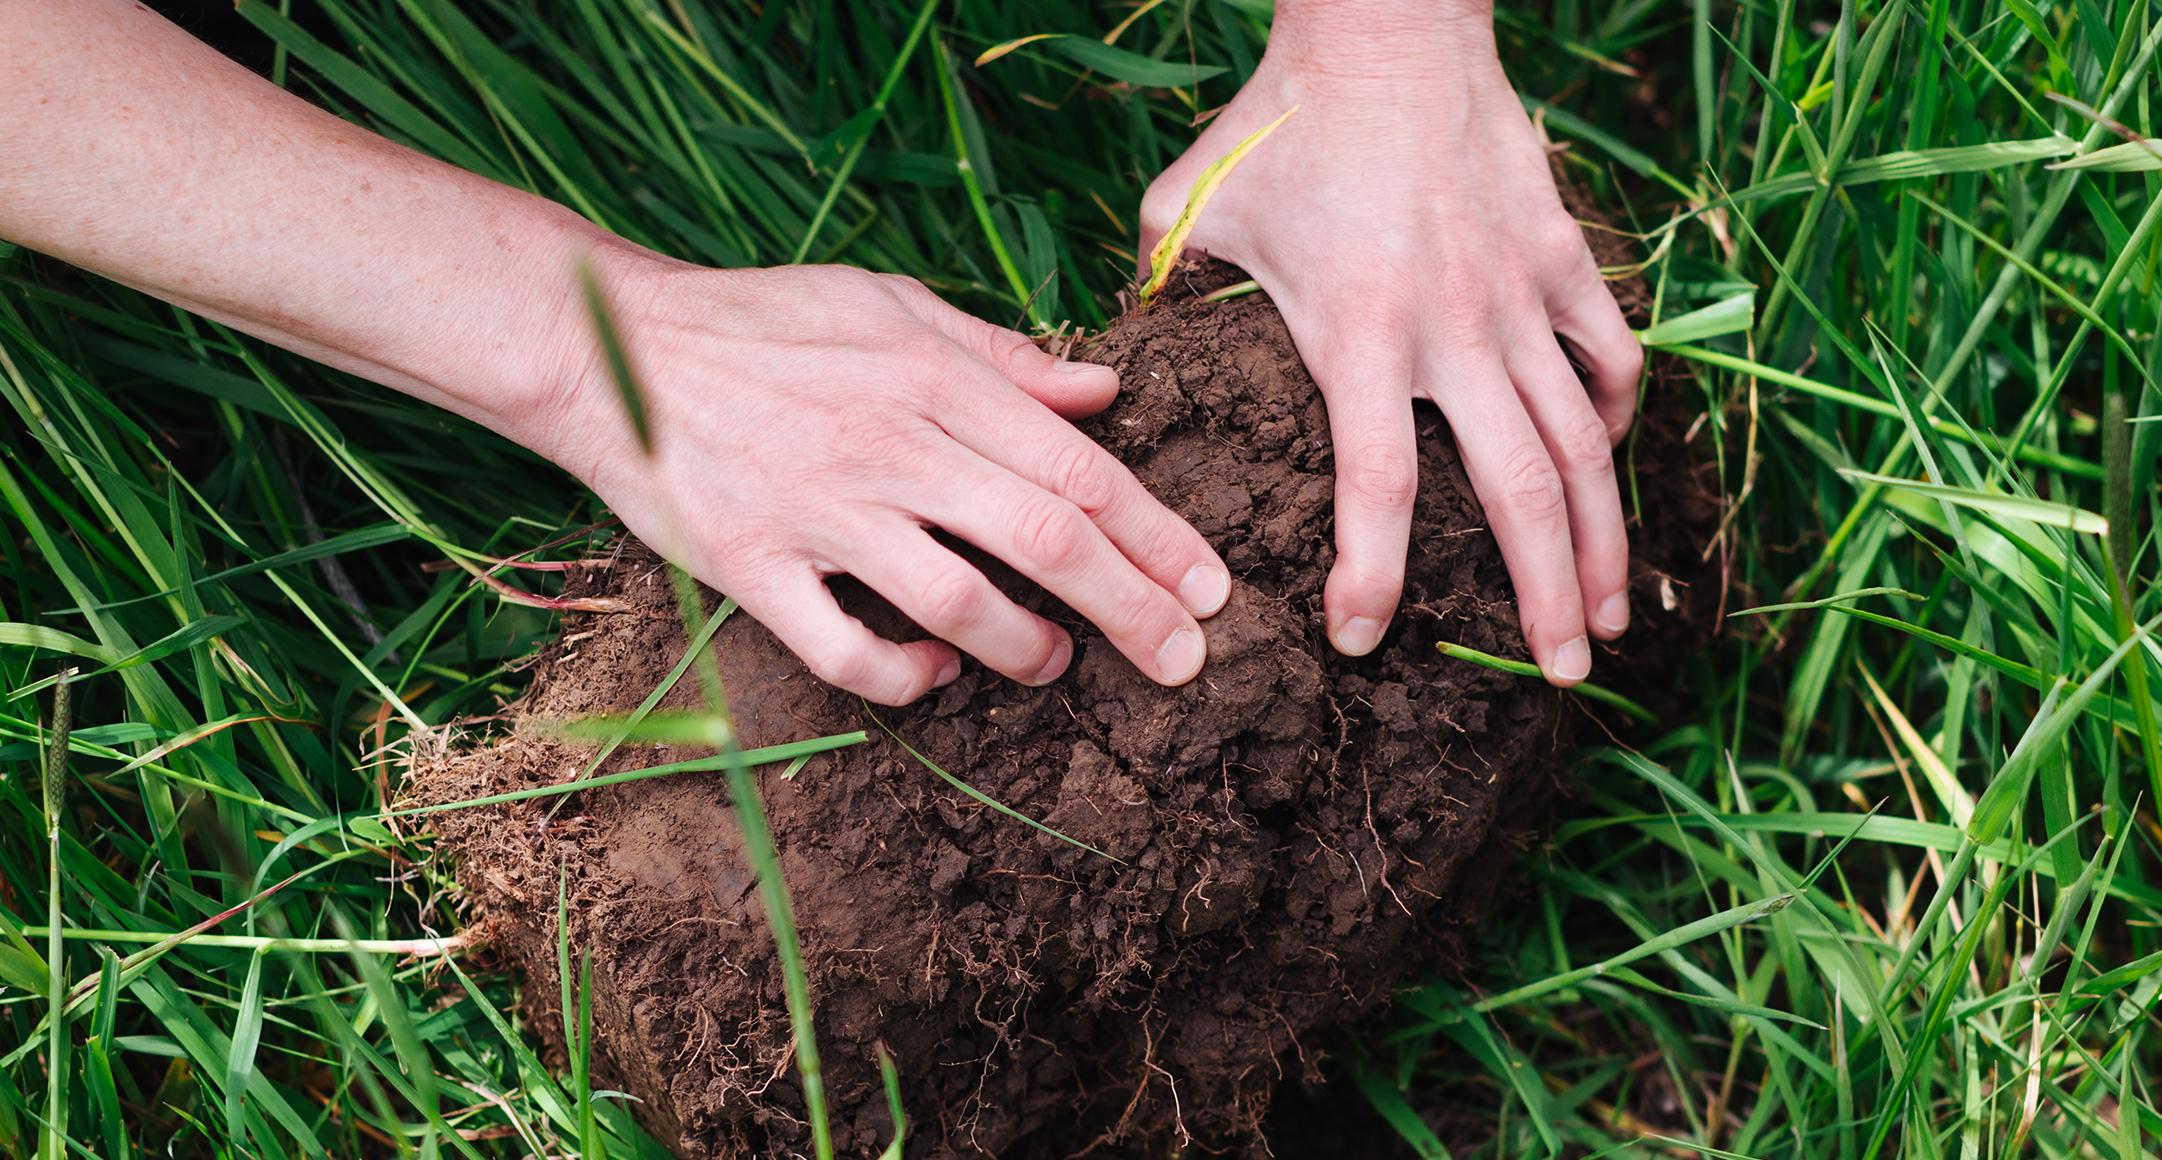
column 998, row 50
column 1166, row 253
column 1112, row 37
column 1957, row 801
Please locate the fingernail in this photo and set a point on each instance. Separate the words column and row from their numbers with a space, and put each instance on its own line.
column 948, row 675
column 1180, row 656
column 1068, row 367
column 1357, row 636
column 1061, row 653
column 1205, row 589
column 1613, row 613
column 1572, row 661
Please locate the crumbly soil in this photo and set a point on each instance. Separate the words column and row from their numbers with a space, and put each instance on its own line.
column 1296, row 832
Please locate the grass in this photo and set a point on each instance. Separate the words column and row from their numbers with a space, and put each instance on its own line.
column 1169, row 249
column 1890, row 888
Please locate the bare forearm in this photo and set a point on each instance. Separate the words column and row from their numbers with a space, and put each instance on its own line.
column 138, row 152
column 860, row 409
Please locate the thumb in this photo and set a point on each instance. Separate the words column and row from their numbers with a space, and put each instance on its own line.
column 1073, row 390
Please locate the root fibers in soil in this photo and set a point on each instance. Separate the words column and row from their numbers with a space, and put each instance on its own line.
column 1296, row 832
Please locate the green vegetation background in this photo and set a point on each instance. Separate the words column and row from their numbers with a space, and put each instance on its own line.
column 1889, row 888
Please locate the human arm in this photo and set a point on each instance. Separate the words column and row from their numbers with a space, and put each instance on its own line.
column 1406, row 224
column 811, row 420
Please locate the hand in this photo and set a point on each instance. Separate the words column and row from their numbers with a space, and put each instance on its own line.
column 815, row 420
column 809, row 420
column 1406, row 223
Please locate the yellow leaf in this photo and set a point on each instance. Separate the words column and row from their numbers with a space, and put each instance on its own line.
column 1112, row 37
column 1166, row 254
column 1957, row 801
column 998, row 50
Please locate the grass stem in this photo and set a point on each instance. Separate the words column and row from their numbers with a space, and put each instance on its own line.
column 1525, row 669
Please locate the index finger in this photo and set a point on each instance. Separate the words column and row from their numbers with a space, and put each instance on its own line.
column 1584, row 313
column 1043, row 449
column 1527, row 505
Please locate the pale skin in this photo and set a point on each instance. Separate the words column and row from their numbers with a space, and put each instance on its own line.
column 834, row 415
column 1406, row 223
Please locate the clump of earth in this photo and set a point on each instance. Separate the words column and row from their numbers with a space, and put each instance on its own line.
column 1289, row 836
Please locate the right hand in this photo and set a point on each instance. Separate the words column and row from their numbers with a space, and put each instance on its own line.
column 815, row 420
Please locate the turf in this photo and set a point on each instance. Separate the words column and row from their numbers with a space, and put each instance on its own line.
column 1888, row 889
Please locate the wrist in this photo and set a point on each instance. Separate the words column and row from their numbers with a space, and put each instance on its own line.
column 524, row 358
column 561, row 399
column 1384, row 40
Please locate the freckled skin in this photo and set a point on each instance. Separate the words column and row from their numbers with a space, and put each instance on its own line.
column 211, row 188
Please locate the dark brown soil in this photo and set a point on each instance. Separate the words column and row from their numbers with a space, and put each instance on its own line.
column 1299, row 831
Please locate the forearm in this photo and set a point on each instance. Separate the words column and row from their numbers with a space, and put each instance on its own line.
column 135, row 151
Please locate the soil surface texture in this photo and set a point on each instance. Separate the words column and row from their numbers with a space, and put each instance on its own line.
column 1295, row 832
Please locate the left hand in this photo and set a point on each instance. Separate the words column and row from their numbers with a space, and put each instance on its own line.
column 1406, row 223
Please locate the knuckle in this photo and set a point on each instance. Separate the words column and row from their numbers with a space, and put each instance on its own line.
column 1465, row 307
column 1004, row 345
column 1050, row 536
column 844, row 665
column 950, row 599
column 910, row 291
column 1582, row 443
column 1520, row 292
column 1080, row 473
column 1383, row 477
column 1531, row 487
column 1371, row 581
column 1561, row 238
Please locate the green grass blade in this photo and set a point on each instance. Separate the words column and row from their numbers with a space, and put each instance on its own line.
column 240, row 1055
column 981, row 796
column 1459, row 652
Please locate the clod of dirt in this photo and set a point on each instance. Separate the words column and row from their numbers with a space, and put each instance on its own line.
column 1298, row 831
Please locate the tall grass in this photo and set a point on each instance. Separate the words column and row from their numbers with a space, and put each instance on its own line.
column 1888, row 889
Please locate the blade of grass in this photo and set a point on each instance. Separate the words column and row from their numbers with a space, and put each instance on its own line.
column 1172, row 245
column 1525, row 669
column 979, row 795
column 861, row 128
column 748, row 758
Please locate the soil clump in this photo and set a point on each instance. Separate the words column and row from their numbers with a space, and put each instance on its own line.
column 1296, row 832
